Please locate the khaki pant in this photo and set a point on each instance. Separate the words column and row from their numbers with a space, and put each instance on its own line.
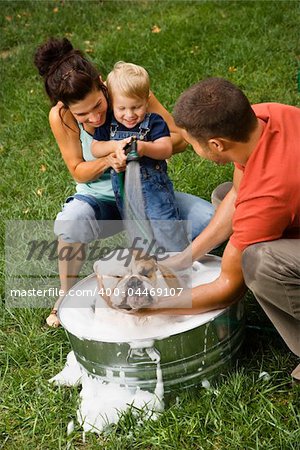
column 272, row 272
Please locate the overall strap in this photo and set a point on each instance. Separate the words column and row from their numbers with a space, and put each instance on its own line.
column 113, row 128
column 144, row 127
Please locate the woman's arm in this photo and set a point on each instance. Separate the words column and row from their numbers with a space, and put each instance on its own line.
column 178, row 143
column 66, row 133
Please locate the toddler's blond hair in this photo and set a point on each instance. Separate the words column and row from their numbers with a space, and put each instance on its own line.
column 129, row 79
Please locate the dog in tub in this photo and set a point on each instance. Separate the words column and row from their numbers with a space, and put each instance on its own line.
column 136, row 280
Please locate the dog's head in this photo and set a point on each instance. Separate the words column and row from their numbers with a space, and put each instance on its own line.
column 133, row 286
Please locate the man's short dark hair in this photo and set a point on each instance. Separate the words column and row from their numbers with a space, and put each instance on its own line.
column 215, row 108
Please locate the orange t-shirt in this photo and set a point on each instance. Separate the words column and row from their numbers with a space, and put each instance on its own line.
column 268, row 201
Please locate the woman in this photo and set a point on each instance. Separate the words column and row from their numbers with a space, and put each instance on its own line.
column 80, row 103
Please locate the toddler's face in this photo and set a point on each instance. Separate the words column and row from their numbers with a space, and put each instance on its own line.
column 129, row 111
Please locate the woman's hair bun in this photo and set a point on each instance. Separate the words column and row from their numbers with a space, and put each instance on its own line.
column 51, row 53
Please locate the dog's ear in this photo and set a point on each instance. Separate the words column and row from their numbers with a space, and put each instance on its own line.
column 147, row 269
column 144, row 264
column 102, row 289
column 170, row 277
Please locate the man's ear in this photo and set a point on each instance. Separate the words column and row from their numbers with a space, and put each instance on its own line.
column 219, row 144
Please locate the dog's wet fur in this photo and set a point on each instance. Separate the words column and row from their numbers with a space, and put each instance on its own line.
column 142, row 279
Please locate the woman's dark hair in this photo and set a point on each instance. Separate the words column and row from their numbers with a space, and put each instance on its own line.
column 215, row 108
column 68, row 76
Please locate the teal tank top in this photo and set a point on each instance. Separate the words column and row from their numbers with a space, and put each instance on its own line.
column 101, row 188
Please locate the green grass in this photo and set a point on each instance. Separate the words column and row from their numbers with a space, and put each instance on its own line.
column 255, row 44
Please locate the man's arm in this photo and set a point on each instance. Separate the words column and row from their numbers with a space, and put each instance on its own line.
column 217, row 231
column 229, row 286
column 220, row 293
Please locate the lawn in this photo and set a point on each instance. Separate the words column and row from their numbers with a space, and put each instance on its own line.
column 255, row 44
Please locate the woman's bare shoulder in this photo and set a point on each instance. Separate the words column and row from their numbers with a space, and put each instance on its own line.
column 55, row 112
column 61, row 119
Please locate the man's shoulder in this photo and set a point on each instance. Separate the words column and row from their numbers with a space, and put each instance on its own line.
column 273, row 108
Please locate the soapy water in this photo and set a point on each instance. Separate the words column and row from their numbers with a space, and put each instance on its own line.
column 88, row 316
column 102, row 401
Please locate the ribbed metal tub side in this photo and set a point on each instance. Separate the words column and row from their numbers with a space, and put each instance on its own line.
column 186, row 358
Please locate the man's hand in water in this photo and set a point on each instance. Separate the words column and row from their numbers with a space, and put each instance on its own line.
column 180, row 261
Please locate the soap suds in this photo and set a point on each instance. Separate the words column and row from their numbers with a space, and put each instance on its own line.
column 88, row 317
column 102, row 403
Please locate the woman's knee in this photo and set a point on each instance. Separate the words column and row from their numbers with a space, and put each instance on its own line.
column 77, row 223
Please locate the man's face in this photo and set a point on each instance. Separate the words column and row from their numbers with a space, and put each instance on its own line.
column 210, row 150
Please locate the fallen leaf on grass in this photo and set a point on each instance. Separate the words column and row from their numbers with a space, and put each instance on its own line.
column 155, row 29
column 194, row 49
column 43, row 168
column 55, row 10
column 40, row 192
column 5, row 54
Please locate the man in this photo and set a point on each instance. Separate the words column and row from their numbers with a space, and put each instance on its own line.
column 261, row 213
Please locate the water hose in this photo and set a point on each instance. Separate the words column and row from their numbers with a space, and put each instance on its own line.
column 132, row 155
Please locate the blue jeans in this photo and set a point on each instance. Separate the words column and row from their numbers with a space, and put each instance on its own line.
column 85, row 219
column 194, row 210
column 77, row 222
column 157, row 205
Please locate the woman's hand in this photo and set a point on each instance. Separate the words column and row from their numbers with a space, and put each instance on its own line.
column 115, row 163
column 119, row 150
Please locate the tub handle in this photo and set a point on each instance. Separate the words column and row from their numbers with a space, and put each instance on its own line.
column 139, row 356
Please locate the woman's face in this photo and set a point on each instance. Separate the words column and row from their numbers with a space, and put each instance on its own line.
column 91, row 110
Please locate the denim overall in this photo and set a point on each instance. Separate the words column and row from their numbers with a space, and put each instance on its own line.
column 158, row 194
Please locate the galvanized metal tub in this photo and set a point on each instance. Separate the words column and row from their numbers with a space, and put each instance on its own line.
column 205, row 347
